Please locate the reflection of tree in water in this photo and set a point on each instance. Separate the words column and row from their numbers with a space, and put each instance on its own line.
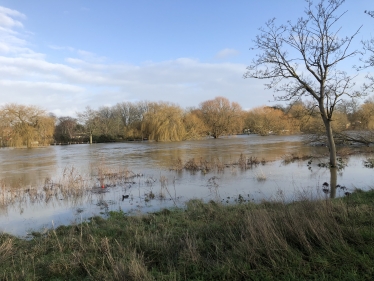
column 228, row 150
column 334, row 185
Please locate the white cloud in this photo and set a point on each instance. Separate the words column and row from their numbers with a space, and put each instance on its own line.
column 84, row 78
column 89, row 56
column 7, row 17
column 41, row 86
column 225, row 53
column 55, row 47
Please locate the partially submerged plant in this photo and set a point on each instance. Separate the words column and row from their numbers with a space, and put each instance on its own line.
column 369, row 163
column 260, row 176
column 290, row 158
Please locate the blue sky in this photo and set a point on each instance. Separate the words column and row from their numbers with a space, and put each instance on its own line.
column 68, row 54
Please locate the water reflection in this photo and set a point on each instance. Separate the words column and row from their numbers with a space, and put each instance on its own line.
column 51, row 192
column 20, row 167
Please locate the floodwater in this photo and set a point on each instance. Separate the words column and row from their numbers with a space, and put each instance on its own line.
column 46, row 187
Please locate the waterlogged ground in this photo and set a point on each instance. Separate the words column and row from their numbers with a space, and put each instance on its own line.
column 46, row 187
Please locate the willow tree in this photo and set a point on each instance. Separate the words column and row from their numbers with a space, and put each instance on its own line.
column 267, row 120
column 22, row 125
column 163, row 122
column 301, row 60
column 194, row 124
column 222, row 117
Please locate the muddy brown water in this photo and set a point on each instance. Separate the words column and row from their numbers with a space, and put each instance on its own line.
column 151, row 185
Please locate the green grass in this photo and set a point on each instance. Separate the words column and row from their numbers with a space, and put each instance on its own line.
column 305, row 240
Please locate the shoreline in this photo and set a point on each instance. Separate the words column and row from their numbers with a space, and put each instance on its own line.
column 206, row 241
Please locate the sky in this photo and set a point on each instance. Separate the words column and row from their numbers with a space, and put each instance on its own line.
column 65, row 55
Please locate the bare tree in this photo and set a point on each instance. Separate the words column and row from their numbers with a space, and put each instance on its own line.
column 65, row 128
column 90, row 120
column 301, row 59
column 222, row 117
column 368, row 62
column 370, row 13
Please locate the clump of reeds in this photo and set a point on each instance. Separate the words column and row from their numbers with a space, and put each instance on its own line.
column 248, row 162
column 177, row 165
column 215, row 164
column 260, row 176
column 109, row 176
column 242, row 161
column 192, row 165
column 72, row 185
column 201, row 164
column 290, row 158
column 253, row 161
column 369, row 163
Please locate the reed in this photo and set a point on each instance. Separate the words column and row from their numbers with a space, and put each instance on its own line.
column 215, row 164
column 72, row 186
column 290, row 158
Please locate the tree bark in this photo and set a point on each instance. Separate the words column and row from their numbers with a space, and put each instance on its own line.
column 333, row 181
column 330, row 142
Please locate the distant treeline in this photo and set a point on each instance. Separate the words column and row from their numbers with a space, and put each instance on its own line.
column 22, row 125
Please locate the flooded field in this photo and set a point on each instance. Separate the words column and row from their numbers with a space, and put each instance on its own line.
column 46, row 187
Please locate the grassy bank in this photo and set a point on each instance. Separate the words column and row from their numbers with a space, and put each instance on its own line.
column 320, row 240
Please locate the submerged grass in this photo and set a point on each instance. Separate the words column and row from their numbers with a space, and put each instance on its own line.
column 305, row 240
column 215, row 164
column 73, row 186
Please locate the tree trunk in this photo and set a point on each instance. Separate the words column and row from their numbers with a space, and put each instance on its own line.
column 333, row 181
column 90, row 138
column 330, row 142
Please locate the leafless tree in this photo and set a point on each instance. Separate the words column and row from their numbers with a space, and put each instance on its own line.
column 65, row 128
column 301, row 60
column 222, row 117
column 90, row 120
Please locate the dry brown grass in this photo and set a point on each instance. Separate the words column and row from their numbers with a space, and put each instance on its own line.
column 290, row 158
column 72, row 186
column 215, row 164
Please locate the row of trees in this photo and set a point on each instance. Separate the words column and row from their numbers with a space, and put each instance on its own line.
column 159, row 121
column 22, row 125
column 297, row 60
